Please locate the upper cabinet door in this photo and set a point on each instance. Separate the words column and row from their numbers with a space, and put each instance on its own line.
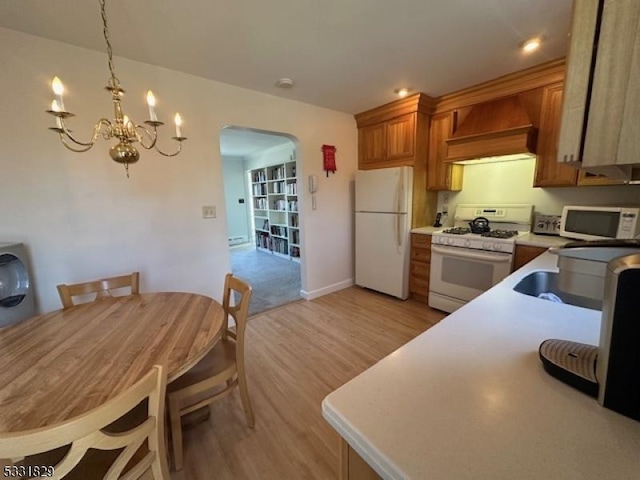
column 440, row 174
column 401, row 137
column 373, row 140
column 577, row 80
column 601, row 110
column 613, row 129
column 550, row 173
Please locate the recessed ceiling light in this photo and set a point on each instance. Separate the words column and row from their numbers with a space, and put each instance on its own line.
column 284, row 83
column 402, row 92
column 531, row 45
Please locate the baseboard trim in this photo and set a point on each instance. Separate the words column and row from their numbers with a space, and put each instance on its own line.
column 326, row 290
column 238, row 240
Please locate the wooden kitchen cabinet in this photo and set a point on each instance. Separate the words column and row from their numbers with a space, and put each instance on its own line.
column 525, row 253
column 603, row 89
column 550, row 173
column 373, row 141
column 352, row 466
column 420, row 266
column 388, row 144
column 401, row 137
column 586, row 179
column 440, row 174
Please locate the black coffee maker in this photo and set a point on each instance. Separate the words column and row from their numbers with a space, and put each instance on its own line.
column 618, row 364
column 611, row 370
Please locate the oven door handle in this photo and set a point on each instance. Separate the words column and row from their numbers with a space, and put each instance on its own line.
column 459, row 252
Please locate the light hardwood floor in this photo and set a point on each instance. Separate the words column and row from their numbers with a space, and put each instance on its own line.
column 296, row 355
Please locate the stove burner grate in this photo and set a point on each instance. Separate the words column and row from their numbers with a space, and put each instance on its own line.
column 457, row 231
column 500, row 233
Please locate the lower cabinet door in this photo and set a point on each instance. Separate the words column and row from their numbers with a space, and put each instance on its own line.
column 353, row 467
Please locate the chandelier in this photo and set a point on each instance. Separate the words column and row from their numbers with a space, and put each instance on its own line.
column 121, row 127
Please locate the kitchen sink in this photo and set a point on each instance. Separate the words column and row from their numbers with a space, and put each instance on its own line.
column 543, row 282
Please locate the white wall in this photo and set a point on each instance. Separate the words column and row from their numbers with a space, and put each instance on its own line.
column 81, row 218
column 512, row 182
column 234, row 179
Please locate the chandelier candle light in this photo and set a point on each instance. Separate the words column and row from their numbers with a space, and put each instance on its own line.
column 121, row 127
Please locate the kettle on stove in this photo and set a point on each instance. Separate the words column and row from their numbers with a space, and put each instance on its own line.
column 479, row 225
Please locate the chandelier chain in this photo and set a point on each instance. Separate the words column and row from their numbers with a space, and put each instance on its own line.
column 105, row 31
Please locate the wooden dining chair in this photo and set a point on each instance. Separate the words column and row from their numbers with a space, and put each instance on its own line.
column 25, row 451
column 216, row 375
column 102, row 288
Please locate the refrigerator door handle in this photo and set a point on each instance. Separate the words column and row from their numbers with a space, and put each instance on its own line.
column 399, row 193
column 399, row 230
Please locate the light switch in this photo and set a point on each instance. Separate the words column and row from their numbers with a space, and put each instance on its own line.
column 208, row 211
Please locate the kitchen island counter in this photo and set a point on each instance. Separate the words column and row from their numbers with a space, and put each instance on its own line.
column 469, row 399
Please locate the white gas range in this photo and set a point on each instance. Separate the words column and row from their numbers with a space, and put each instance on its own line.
column 476, row 253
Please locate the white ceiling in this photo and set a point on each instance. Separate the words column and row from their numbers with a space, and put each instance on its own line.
column 347, row 55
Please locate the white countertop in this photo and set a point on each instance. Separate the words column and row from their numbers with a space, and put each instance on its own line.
column 544, row 241
column 426, row 230
column 469, row 399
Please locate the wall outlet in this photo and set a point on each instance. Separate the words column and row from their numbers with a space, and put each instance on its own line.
column 208, row 211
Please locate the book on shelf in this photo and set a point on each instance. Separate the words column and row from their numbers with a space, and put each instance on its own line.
column 280, row 245
column 259, row 189
column 278, row 230
column 292, row 188
column 278, row 188
column 278, row 173
column 263, row 240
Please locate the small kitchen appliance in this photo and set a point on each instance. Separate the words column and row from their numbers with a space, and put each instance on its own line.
column 16, row 293
column 479, row 225
column 546, row 224
column 611, row 370
column 600, row 223
column 464, row 264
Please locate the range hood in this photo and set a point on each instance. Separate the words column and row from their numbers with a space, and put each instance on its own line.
column 492, row 129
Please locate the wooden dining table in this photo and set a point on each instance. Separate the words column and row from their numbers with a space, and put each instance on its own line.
column 61, row 364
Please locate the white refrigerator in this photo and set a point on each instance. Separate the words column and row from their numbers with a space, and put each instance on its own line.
column 383, row 215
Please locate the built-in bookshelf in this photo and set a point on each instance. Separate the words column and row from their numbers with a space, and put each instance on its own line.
column 274, row 201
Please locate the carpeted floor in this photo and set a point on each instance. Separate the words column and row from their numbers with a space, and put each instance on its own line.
column 275, row 280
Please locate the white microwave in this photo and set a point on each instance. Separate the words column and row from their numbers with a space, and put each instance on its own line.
column 600, row 223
